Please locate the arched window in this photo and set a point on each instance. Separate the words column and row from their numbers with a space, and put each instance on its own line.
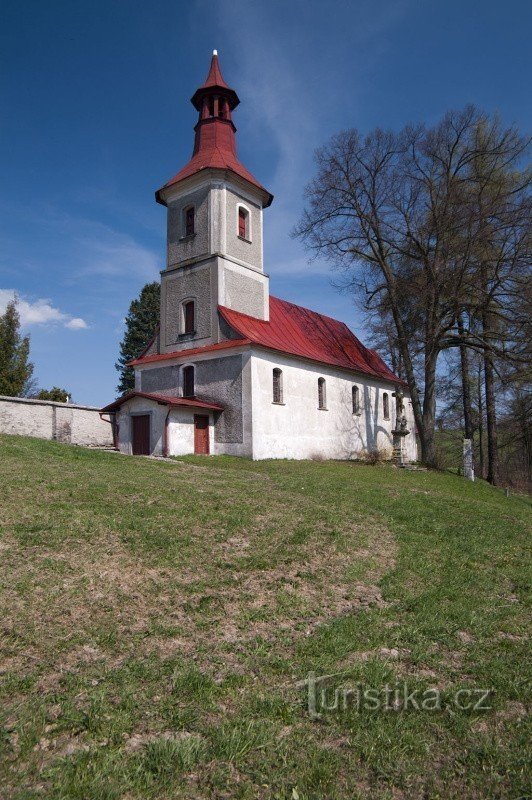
column 188, row 381
column 386, row 405
column 277, row 386
column 355, row 396
column 322, row 396
column 189, row 317
column 243, row 222
column 189, row 221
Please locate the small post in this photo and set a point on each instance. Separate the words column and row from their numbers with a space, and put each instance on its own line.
column 469, row 472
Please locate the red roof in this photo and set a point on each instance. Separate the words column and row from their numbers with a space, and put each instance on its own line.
column 216, row 152
column 297, row 331
column 189, row 402
column 194, row 351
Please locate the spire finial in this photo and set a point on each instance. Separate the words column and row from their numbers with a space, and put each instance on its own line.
column 215, row 52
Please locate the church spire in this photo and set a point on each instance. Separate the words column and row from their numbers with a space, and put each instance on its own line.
column 215, row 102
column 215, row 140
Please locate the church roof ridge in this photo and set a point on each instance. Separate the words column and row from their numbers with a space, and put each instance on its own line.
column 298, row 331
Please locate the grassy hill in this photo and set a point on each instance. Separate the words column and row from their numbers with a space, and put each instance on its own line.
column 159, row 621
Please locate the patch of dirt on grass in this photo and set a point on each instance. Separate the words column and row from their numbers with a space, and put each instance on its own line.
column 137, row 741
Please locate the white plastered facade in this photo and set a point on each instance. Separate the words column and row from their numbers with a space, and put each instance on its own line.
column 298, row 428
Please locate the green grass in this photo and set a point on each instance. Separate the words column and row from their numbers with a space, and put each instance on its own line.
column 159, row 617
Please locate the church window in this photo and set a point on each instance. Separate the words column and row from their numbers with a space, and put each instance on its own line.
column 188, row 382
column 322, row 396
column 189, row 322
column 189, row 221
column 243, row 223
column 355, row 395
column 386, row 405
column 277, row 386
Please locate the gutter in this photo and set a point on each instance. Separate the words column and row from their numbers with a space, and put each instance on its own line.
column 165, row 432
column 114, row 424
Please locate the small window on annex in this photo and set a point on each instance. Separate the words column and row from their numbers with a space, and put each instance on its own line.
column 277, row 385
column 322, row 395
column 355, row 397
column 386, row 405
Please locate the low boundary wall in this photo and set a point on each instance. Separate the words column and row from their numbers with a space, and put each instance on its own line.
column 61, row 422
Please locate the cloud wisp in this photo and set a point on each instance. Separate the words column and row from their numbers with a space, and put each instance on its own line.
column 39, row 312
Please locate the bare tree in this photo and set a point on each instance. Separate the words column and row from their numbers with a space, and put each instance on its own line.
column 398, row 214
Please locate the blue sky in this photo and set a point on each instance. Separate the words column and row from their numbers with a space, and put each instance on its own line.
column 95, row 116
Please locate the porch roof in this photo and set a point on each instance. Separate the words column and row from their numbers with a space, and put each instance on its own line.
column 164, row 400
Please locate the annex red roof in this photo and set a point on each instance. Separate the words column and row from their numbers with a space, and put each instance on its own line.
column 194, row 351
column 297, row 331
column 190, row 402
column 214, row 144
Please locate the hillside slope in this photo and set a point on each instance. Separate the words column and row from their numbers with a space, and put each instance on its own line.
column 159, row 620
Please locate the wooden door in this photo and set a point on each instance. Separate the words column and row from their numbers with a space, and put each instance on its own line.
column 141, row 435
column 201, row 434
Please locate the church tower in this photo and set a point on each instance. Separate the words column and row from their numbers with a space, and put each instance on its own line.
column 214, row 238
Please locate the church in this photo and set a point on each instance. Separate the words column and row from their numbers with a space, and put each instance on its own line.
column 232, row 369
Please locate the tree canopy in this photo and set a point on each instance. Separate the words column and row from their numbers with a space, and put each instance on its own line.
column 55, row 393
column 430, row 228
column 141, row 326
column 15, row 368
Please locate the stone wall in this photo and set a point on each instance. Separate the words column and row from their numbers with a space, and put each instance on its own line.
column 62, row 422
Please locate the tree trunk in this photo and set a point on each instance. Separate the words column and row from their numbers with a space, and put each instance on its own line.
column 480, row 421
column 428, row 442
column 466, row 384
column 491, row 420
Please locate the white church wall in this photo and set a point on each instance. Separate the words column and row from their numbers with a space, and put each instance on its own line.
column 299, row 429
column 181, row 432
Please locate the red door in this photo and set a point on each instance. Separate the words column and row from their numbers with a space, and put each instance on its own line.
column 201, row 434
column 141, row 435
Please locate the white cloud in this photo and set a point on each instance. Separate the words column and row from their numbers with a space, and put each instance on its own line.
column 39, row 312
column 76, row 324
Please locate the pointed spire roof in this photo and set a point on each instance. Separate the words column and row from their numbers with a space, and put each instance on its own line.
column 215, row 143
column 214, row 78
column 214, row 81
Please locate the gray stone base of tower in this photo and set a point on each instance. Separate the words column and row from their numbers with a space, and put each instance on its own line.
column 399, row 456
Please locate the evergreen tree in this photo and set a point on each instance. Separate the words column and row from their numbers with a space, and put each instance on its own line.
column 15, row 369
column 56, row 394
column 141, row 323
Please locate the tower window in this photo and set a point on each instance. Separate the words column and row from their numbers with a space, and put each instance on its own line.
column 322, row 395
column 189, row 221
column 355, row 394
column 189, row 322
column 243, row 223
column 188, row 381
column 386, row 405
column 277, row 386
